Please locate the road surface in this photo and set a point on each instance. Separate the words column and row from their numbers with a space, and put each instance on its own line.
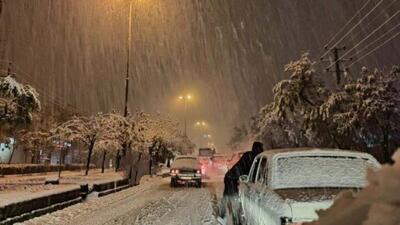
column 151, row 202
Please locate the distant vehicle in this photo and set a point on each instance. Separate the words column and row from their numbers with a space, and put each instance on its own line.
column 186, row 169
column 235, row 158
column 205, row 155
column 288, row 186
column 219, row 161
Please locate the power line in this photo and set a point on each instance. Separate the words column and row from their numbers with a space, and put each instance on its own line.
column 348, row 22
column 368, row 36
column 378, row 39
column 355, row 26
column 376, row 48
column 376, row 17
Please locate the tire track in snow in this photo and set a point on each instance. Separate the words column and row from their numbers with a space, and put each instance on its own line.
column 185, row 206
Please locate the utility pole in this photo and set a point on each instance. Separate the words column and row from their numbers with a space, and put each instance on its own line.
column 336, row 63
column 128, row 55
column 9, row 69
column 127, row 77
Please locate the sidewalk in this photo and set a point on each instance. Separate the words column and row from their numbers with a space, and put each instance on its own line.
column 16, row 188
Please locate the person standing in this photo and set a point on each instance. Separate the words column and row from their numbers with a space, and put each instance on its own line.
column 231, row 178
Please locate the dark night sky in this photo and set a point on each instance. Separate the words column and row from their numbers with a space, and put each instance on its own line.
column 227, row 53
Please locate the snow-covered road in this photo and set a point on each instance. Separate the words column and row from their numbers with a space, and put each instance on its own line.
column 152, row 202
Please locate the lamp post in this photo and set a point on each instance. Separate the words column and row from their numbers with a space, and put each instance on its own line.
column 127, row 77
column 185, row 99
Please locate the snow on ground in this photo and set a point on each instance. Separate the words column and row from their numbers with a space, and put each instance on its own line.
column 152, row 202
column 14, row 188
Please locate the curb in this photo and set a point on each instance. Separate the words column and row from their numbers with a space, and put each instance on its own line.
column 28, row 210
column 115, row 190
column 40, row 212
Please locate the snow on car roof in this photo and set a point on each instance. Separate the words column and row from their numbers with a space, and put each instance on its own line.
column 186, row 161
column 323, row 151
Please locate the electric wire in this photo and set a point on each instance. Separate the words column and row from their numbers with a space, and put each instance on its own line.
column 348, row 22
column 366, row 38
column 376, row 48
column 376, row 40
column 355, row 26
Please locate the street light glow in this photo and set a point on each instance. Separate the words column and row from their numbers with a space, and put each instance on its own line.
column 201, row 123
column 185, row 97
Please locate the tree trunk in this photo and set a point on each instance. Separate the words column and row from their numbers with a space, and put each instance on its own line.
column 60, row 163
column 117, row 161
column 150, row 160
column 33, row 158
column 385, row 146
column 137, row 167
column 89, row 157
column 103, row 161
column 25, row 156
column 12, row 154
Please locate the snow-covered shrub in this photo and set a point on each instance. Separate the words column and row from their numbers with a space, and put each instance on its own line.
column 18, row 102
column 363, row 115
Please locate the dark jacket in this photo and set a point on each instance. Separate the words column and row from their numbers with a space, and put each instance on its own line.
column 242, row 167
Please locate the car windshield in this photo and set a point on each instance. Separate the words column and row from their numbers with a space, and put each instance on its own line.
column 320, row 171
column 185, row 162
column 205, row 152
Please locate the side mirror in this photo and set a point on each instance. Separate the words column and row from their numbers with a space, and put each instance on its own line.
column 244, row 178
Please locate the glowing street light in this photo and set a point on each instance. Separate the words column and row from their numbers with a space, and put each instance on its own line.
column 201, row 124
column 185, row 99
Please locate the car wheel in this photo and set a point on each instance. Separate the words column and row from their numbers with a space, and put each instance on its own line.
column 198, row 185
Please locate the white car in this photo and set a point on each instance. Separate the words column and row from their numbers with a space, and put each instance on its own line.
column 186, row 170
column 288, row 186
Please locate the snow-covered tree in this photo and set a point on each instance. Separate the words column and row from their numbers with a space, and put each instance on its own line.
column 367, row 112
column 364, row 114
column 281, row 123
column 89, row 130
column 161, row 135
column 18, row 103
column 32, row 141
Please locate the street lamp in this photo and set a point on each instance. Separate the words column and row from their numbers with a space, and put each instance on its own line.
column 185, row 99
column 128, row 55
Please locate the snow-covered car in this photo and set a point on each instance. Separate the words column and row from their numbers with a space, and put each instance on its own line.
column 289, row 186
column 186, row 169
